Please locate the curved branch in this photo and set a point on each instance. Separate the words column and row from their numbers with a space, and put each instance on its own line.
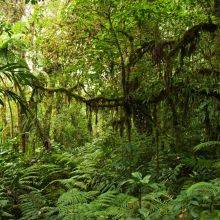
column 68, row 92
column 191, row 36
column 104, row 102
column 97, row 102
column 179, row 89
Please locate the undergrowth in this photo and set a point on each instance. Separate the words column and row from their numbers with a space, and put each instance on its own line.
column 87, row 183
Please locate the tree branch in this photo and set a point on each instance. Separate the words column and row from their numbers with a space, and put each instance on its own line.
column 190, row 38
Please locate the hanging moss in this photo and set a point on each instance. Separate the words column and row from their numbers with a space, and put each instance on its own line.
column 132, row 108
column 187, row 45
column 89, row 116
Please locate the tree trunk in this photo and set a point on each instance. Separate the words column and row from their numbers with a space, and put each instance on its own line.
column 4, row 122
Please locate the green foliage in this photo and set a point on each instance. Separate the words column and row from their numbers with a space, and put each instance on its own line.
column 199, row 200
column 204, row 146
column 57, row 186
column 33, row 206
column 92, row 205
column 109, row 110
column 138, row 179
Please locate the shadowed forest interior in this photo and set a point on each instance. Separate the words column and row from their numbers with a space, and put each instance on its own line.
column 110, row 109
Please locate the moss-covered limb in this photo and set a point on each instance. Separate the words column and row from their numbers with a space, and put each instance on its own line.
column 101, row 99
column 187, row 44
column 156, row 48
column 208, row 72
column 139, row 53
column 69, row 92
column 104, row 102
column 119, row 48
column 180, row 89
column 97, row 102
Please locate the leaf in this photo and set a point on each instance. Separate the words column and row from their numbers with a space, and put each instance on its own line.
column 145, row 213
column 146, row 179
column 137, row 175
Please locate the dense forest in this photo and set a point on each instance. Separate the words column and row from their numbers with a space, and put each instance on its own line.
column 109, row 109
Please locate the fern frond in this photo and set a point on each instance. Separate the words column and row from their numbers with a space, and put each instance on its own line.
column 205, row 145
column 31, row 205
column 72, row 197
